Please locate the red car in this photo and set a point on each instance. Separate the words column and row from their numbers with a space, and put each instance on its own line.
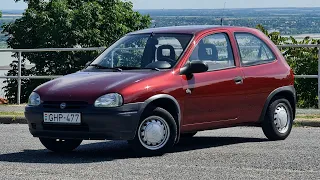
column 155, row 86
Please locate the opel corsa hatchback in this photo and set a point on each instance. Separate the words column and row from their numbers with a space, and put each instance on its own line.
column 156, row 85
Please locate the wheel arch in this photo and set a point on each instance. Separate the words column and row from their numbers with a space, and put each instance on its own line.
column 287, row 92
column 166, row 102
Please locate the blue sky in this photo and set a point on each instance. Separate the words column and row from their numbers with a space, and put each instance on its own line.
column 10, row 4
column 214, row 4
column 196, row 4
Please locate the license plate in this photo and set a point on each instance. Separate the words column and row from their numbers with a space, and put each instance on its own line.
column 62, row 118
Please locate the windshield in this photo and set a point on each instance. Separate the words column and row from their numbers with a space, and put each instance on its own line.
column 144, row 51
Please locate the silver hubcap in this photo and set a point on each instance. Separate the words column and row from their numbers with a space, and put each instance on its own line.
column 154, row 133
column 281, row 119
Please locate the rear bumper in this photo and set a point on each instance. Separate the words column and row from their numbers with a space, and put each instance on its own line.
column 96, row 123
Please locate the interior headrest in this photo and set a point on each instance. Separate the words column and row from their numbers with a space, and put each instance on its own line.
column 208, row 52
column 161, row 54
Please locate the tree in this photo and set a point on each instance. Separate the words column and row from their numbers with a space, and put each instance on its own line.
column 303, row 61
column 66, row 24
column 275, row 36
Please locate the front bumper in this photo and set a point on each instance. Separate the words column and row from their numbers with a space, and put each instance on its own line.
column 96, row 123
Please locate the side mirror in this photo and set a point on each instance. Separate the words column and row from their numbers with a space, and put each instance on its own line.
column 194, row 67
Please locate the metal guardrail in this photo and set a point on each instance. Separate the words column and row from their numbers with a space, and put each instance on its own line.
column 19, row 51
column 307, row 76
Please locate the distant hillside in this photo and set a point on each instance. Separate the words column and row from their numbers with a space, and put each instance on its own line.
column 285, row 20
column 288, row 21
column 12, row 11
column 6, row 18
column 243, row 12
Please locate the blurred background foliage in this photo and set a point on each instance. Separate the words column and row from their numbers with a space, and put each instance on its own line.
column 66, row 24
column 303, row 61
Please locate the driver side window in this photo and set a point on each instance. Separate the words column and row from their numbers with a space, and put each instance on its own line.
column 214, row 50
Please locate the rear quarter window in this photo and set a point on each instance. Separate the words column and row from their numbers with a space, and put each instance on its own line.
column 253, row 50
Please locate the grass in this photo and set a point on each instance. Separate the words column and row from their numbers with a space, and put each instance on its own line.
column 302, row 120
column 307, row 120
column 308, row 116
column 13, row 104
column 297, row 124
column 15, row 114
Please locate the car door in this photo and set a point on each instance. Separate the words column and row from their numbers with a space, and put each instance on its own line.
column 213, row 96
column 257, row 64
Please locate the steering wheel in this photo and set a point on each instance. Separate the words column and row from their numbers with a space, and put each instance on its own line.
column 169, row 60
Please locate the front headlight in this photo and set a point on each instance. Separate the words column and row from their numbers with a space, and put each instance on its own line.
column 34, row 99
column 109, row 100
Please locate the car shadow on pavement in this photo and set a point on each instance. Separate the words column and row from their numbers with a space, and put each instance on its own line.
column 114, row 150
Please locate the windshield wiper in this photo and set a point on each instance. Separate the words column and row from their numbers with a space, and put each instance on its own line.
column 155, row 69
column 120, row 68
column 132, row 68
column 98, row 66
column 127, row 67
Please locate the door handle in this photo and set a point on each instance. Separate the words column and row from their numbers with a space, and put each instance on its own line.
column 238, row 80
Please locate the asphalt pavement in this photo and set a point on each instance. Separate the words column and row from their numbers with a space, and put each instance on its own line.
column 235, row 153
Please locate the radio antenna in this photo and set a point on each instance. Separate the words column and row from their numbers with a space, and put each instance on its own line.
column 224, row 7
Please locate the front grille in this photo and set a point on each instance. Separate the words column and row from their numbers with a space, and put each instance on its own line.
column 69, row 104
column 54, row 127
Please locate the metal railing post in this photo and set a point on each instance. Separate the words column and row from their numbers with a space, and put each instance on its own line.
column 318, row 77
column 19, row 78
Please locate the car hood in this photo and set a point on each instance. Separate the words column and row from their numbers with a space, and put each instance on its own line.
column 87, row 86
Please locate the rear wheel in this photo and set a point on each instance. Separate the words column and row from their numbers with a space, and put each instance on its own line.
column 156, row 133
column 278, row 121
column 60, row 145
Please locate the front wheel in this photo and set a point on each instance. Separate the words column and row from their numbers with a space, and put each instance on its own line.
column 156, row 133
column 278, row 121
column 60, row 145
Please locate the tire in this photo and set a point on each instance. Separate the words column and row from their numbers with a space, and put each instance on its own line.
column 278, row 120
column 188, row 135
column 59, row 145
column 156, row 133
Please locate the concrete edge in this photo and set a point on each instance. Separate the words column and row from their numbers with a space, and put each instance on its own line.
column 307, row 122
column 22, row 120
column 13, row 120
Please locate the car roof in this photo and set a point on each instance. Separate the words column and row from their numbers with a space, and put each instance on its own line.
column 193, row 29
